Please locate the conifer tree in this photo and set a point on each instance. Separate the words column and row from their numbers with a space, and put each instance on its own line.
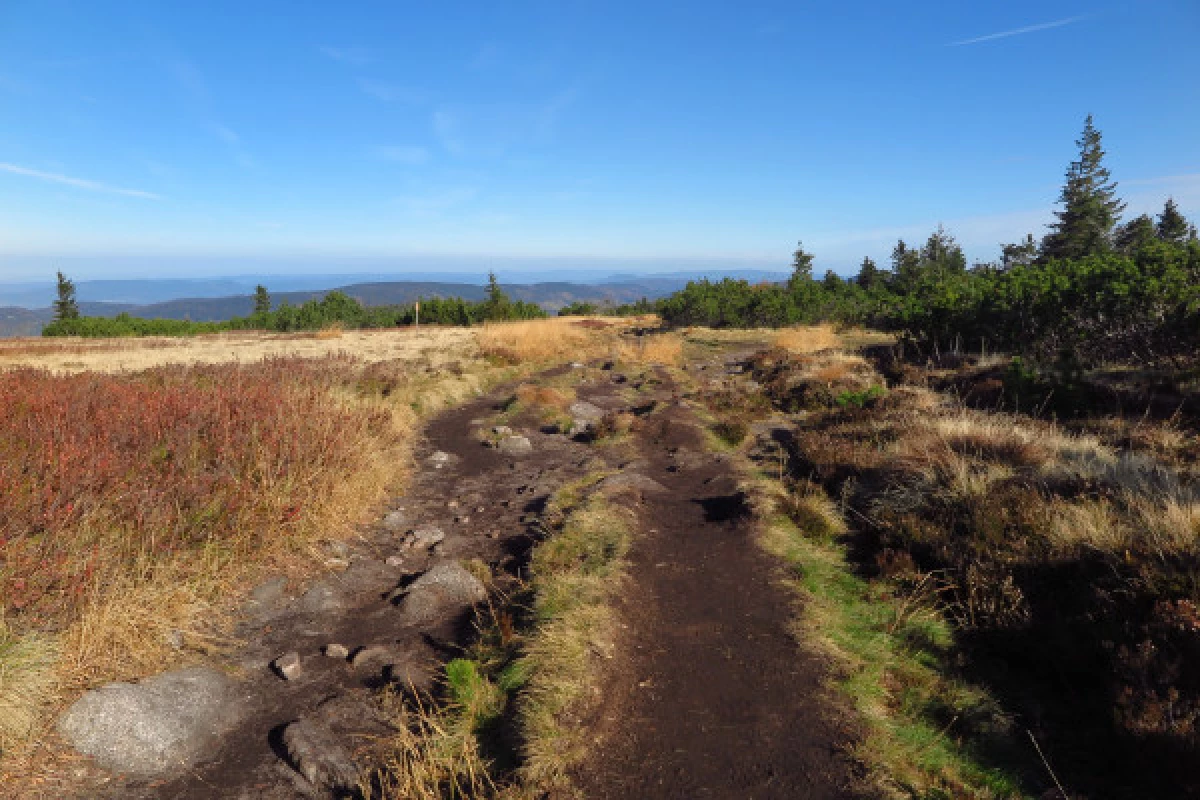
column 802, row 262
column 1090, row 206
column 906, row 266
column 262, row 300
column 942, row 254
column 1172, row 226
column 65, row 306
column 1134, row 235
column 869, row 275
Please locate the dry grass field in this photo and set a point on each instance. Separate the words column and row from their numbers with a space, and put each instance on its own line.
column 145, row 485
column 434, row 345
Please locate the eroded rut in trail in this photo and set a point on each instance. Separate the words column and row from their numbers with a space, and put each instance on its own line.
column 709, row 696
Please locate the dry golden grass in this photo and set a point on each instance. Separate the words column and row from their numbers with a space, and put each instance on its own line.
column 662, row 348
column 536, row 396
column 559, row 339
column 807, row 338
column 27, row 683
column 547, row 340
column 437, row 346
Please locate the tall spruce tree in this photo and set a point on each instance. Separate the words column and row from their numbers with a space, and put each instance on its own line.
column 262, row 300
column 802, row 262
column 942, row 253
column 1172, row 226
column 906, row 266
column 65, row 306
column 1090, row 206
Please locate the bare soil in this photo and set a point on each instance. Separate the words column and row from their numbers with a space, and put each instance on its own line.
column 713, row 698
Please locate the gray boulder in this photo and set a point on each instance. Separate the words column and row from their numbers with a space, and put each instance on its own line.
column 395, row 520
column 585, row 410
column 515, row 446
column 169, row 721
column 319, row 756
column 442, row 593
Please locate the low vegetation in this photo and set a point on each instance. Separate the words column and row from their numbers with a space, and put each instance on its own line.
column 1012, row 602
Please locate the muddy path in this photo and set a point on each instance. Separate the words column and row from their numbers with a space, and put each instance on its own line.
column 709, row 695
column 712, row 698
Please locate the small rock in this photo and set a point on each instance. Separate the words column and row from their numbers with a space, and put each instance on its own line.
column 265, row 597
column 516, row 446
column 375, row 654
column 576, row 365
column 287, row 665
column 424, row 536
column 175, row 639
column 586, row 410
column 462, row 520
column 451, row 504
column 395, row 561
column 502, row 430
column 395, row 520
column 480, row 510
column 318, row 755
column 162, row 723
column 337, row 563
column 334, row 650
column 440, row 459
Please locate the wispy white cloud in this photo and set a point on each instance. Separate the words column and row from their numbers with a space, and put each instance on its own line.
column 403, row 154
column 1041, row 26
column 390, row 92
column 354, row 56
column 78, row 183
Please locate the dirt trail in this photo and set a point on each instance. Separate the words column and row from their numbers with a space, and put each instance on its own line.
column 715, row 700
column 709, row 696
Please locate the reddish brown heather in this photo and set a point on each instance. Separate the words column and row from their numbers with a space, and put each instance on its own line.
column 99, row 473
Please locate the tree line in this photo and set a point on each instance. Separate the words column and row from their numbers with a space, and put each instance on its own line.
column 334, row 309
column 1092, row 289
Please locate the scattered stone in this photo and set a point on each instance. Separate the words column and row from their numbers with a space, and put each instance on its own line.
column 318, row 755
column 395, row 561
column 164, row 722
column 451, row 504
column 502, row 430
column 440, row 459
column 395, row 520
column 576, row 365
column 375, row 655
column 287, row 665
column 516, row 446
column 462, row 519
column 334, row 650
column 480, row 510
column 424, row 537
column 443, row 592
column 336, row 563
column 585, row 410
column 175, row 639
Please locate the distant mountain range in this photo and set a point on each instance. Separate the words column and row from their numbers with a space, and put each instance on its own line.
column 24, row 309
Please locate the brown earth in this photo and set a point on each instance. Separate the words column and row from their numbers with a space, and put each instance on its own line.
column 709, row 695
column 712, row 697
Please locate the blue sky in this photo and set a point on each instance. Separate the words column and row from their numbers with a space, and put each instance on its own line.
column 217, row 136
